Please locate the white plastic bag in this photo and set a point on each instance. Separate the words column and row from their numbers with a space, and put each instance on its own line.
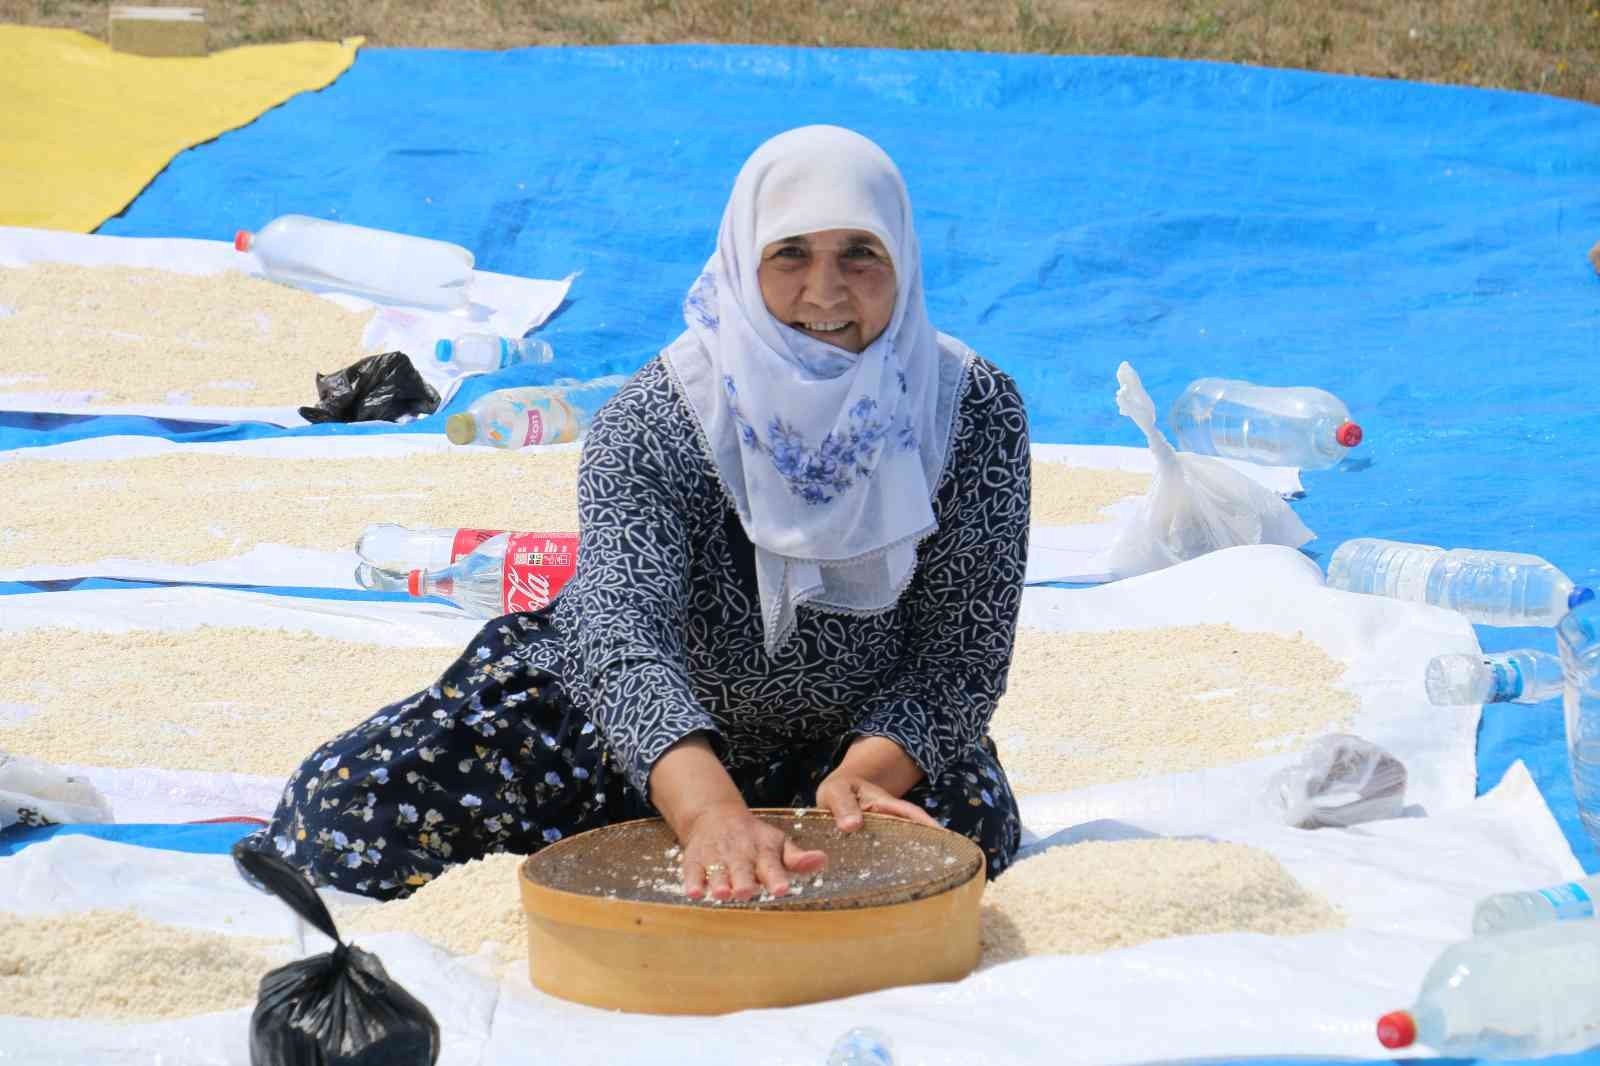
column 1196, row 503
column 1339, row 781
column 36, row 793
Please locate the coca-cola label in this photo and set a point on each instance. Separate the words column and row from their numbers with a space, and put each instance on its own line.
column 536, row 567
column 468, row 539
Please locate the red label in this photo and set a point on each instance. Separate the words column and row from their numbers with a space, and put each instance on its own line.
column 537, row 566
column 468, row 539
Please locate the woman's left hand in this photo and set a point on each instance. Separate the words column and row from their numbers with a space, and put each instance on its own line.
column 846, row 795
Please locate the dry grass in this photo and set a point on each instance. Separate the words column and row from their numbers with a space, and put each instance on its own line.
column 1550, row 46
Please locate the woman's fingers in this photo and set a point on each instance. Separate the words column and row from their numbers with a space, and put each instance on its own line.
column 839, row 797
column 694, row 879
column 802, row 860
column 898, row 808
column 770, row 870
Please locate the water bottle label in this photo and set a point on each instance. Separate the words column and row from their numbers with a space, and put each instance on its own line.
column 1570, row 901
column 1507, row 679
column 468, row 539
column 550, row 421
column 536, row 567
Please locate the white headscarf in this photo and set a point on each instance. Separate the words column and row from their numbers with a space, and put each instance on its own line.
column 831, row 458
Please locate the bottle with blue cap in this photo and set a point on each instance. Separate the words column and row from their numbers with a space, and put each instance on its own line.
column 1505, row 911
column 1491, row 588
column 1520, row 676
column 478, row 353
column 1578, row 636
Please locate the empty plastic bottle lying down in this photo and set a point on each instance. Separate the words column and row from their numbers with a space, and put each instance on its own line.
column 1507, row 995
column 1521, row 676
column 1302, row 426
column 1491, row 588
column 380, row 264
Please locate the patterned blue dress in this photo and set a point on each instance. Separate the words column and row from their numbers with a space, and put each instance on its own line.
column 549, row 722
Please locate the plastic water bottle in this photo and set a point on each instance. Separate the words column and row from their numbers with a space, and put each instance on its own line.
column 1507, row 995
column 381, row 264
column 478, row 353
column 1505, row 911
column 1303, row 427
column 508, row 572
column 1521, row 676
column 1490, row 588
column 528, row 416
column 1580, row 662
column 390, row 552
column 862, row 1047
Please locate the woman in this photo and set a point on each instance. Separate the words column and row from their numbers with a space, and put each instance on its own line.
column 804, row 530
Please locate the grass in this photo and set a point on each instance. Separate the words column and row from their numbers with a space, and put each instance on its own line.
column 1547, row 46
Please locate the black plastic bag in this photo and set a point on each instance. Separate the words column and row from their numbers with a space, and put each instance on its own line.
column 335, row 1009
column 382, row 388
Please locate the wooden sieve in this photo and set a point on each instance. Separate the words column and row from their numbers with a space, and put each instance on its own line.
column 608, row 925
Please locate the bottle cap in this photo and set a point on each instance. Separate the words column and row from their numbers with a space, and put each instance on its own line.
column 1397, row 1029
column 414, row 582
column 243, row 239
column 442, row 349
column 1348, row 434
column 1581, row 594
column 461, row 428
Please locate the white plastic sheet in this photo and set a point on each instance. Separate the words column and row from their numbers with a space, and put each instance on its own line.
column 1384, row 643
column 501, row 303
column 263, row 564
column 1406, row 886
column 1056, row 553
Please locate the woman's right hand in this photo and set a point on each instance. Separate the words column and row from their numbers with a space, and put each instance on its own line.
column 729, row 853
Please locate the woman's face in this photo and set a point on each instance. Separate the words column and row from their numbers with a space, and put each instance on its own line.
column 835, row 284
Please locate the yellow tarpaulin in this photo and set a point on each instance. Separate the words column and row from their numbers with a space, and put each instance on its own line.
column 83, row 129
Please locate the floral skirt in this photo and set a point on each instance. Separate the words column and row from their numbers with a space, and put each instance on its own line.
column 494, row 757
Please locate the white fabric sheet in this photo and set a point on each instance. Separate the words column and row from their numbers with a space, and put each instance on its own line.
column 1406, row 886
column 1384, row 643
column 1055, row 553
column 501, row 303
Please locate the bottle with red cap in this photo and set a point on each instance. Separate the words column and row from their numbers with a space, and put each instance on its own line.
column 506, row 573
column 1518, row 994
column 1302, row 426
column 379, row 264
column 389, row 552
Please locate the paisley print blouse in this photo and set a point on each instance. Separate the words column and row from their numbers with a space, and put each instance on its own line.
column 661, row 631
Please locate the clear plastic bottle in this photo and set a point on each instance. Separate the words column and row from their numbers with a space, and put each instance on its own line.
column 1506, row 911
column 1303, row 427
column 388, row 266
column 477, row 353
column 862, row 1046
column 1578, row 636
column 389, row 552
column 528, row 416
column 1490, row 588
column 508, row 572
column 1521, row 676
column 1507, row 995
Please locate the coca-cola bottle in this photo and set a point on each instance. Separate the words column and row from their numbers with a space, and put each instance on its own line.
column 389, row 552
column 506, row 573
